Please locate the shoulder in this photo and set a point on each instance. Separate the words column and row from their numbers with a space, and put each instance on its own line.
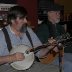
column 43, row 26
column 2, row 38
column 1, row 32
column 29, row 28
column 45, row 23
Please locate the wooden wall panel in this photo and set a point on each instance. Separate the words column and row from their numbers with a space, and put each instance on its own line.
column 31, row 6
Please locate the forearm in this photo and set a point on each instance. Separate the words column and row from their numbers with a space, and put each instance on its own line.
column 42, row 52
column 7, row 59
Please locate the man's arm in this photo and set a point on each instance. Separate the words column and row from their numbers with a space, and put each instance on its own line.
column 11, row 58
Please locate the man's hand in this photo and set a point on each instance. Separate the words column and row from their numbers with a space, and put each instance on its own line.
column 51, row 40
column 19, row 56
column 12, row 58
column 53, row 43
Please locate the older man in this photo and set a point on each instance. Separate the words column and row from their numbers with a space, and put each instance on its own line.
column 50, row 27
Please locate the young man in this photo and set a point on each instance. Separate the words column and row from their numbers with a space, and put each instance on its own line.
column 50, row 27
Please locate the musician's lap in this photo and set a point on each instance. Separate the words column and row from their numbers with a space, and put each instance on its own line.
column 67, row 66
column 36, row 67
column 67, row 58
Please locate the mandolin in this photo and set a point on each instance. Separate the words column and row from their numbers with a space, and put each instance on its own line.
column 51, row 54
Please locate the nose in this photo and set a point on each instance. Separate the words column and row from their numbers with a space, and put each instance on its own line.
column 58, row 13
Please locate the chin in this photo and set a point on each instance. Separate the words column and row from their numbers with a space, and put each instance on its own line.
column 57, row 21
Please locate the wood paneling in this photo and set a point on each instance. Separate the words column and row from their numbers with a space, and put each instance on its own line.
column 67, row 5
column 31, row 6
column 8, row 1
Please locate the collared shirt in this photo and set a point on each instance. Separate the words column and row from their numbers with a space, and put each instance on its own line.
column 16, row 40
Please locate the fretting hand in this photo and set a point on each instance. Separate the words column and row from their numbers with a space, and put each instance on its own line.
column 52, row 43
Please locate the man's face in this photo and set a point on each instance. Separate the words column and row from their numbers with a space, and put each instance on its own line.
column 19, row 23
column 54, row 16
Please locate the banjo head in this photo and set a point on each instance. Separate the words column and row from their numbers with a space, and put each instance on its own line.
column 27, row 62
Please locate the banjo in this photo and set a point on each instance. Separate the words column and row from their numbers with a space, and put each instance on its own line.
column 29, row 56
column 27, row 62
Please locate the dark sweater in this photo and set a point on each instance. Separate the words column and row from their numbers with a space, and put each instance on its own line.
column 47, row 30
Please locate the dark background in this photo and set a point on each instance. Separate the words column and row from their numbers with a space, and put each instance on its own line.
column 8, row 1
